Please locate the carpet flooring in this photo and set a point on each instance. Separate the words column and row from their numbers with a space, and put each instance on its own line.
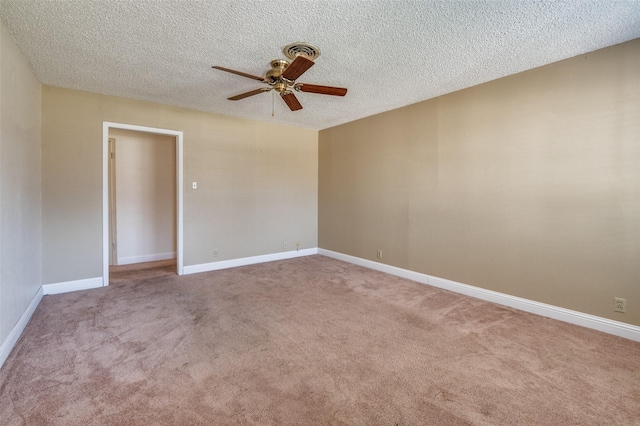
column 306, row 341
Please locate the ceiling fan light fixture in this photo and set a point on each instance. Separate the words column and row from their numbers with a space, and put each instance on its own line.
column 293, row 50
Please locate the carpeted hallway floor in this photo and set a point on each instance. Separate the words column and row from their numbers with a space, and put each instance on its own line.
column 307, row 341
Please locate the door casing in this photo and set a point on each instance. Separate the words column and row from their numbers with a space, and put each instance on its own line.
column 113, row 228
column 106, row 125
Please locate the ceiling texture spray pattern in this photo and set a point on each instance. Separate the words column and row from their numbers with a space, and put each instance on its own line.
column 387, row 53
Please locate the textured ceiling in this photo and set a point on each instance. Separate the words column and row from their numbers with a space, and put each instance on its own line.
column 387, row 53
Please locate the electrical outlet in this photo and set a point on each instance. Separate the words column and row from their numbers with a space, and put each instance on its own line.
column 215, row 252
column 620, row 304
column 284, row 245
column 379, row 254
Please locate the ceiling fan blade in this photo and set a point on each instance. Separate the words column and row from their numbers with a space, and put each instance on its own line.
column 291, row 101
column 323, row 90
column 298, row 67
column 244, row 74
column 251, row 93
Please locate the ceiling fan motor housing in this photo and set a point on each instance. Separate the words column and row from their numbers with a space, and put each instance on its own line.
column 277, row 68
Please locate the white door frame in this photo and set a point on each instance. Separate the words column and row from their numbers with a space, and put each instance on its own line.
column 113, row 226
column 106, row 125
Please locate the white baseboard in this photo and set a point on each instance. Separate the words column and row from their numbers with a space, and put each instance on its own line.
column 16, row 331
column 605, row 325
column 224, row 264
column 146, row 258
column 66, row 287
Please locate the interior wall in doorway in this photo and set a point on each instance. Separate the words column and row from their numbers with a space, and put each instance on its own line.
column 145, row 196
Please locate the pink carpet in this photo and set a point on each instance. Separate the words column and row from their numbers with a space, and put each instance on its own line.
column 308, row 341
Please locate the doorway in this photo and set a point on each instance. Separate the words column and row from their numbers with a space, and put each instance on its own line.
column 142, row 195
column 108, row 210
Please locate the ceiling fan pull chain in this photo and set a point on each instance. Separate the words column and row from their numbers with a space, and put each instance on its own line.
column 273, row 103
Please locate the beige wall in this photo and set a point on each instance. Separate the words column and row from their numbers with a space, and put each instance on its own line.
column 528, row 185
column 145, row 196
column 20, row 205
column 257, row 181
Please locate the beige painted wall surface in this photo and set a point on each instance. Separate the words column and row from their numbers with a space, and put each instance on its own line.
column 257, row 182
column 20, row 205
column 145, row 196
column 528, row 185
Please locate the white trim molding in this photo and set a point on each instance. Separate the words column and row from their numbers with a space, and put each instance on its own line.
column 106, row 125
column 605, row 325
column 146, row 258
column 68, row 286
column 16, row 331
column 224, row 264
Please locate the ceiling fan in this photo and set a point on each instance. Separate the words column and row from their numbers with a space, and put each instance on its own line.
column 283, row 75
